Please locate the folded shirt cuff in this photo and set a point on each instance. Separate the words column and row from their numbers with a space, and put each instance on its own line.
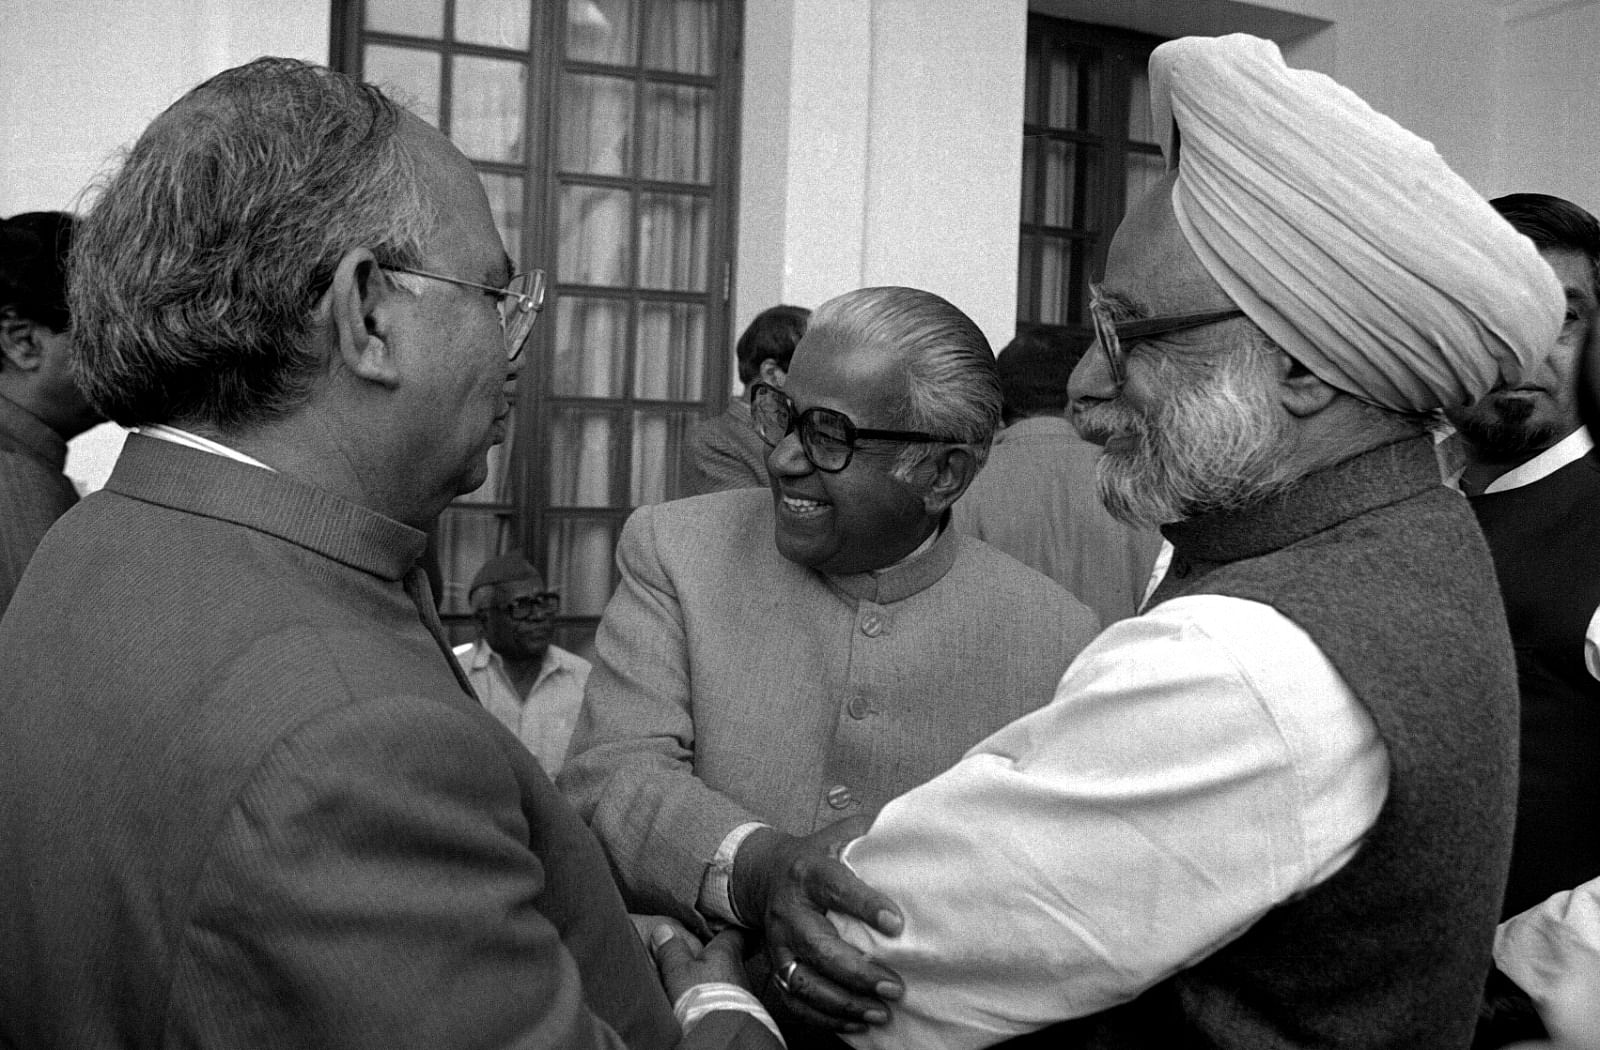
column 716, row 887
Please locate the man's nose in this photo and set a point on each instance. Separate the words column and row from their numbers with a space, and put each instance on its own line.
column 1091, row 378
column 787, row 458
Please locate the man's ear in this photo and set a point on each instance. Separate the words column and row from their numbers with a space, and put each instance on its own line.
column 1302, row 393
column 770, row 372
column 954, row 468
column 361, row 305
column 20, row 343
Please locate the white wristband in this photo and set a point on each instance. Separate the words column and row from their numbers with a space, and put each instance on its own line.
column 702, row 999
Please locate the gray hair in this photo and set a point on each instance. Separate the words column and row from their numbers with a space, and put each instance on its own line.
column 1216, row 441
column 952, row 387
column 196, row 276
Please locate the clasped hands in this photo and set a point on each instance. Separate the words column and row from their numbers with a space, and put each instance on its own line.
column 785, row 885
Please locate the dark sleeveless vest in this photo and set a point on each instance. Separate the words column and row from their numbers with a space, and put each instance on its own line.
column 1545, row 538
column 1388, row 573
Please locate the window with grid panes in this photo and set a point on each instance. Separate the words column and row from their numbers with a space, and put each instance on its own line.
column 1087, row 150
column 604, row 133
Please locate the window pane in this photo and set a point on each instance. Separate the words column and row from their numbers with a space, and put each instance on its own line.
column 411, row 17
column 670, row 362
column 682, row 36
column 1144, row 171
column 1027, row 284
column 1053, row 270
column 505, row 204
column 678, row 129
column 1070, row 175
column 583, row 457
column 596, row 125
column 1072, row 97
column 1062, row 281
column 409, row 75
column 1030, row 179
column 590, row 347
column 486, row 101
column 580, row 565
column 601, row 31
column 658, row 440
column 496, row 488
column 466, row 541
column 1139, row 129
column 497, row 23
column 1030, row 96
column 594, row 236
column 673, row 232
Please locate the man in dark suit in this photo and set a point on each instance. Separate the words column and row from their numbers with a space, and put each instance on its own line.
column 247, row 797
column 40, row 408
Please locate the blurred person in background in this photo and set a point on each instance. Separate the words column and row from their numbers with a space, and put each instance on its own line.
column 1036, row 498
column 725, row 452
column 533, row 687
column 41, row 409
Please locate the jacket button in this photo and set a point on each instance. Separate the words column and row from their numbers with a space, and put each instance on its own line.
column 839, row 797
column 860, row 707
column 872, row 625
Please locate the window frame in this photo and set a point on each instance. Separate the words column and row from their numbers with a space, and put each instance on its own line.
column 533, row 517
column 1117, row 54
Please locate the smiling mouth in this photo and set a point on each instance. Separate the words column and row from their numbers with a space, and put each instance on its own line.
column 803, row 507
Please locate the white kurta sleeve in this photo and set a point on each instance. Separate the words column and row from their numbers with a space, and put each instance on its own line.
column 1552, row 952
column 1199, row 765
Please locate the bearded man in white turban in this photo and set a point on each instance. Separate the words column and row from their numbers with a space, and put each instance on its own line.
column 1274, row 810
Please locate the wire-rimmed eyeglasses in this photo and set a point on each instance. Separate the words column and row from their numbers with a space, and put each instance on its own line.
column 828, row 437
column 1109, row 332
column 519, row 302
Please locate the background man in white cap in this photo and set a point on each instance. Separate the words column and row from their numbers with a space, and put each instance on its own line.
column 1275, row 809
column 533, row 687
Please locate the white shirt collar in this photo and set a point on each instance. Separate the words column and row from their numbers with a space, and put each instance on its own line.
column 1569, row 449
column 482, row 658
column 163, row 432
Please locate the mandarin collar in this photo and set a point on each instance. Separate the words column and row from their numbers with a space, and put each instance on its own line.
column 277, row 504
column 905, row 578
column 1315, row 503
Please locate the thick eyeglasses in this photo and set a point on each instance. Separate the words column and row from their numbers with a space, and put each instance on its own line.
column 1110, row 333
column 827, row 437
column 533, row 607
column 519, row 301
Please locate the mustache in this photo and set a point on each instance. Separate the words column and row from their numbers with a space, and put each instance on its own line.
column 1203, row 447
column 1108, row 420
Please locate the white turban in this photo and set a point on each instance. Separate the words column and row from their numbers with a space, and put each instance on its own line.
column 1342, row 235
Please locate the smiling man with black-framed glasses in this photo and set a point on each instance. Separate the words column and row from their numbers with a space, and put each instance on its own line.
column 776, row 661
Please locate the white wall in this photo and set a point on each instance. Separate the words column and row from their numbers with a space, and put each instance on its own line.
column 1549, row 126
column 82, row 78
column 882, row 145
column 1431, row 66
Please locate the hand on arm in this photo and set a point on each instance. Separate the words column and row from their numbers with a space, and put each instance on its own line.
column 786, row 885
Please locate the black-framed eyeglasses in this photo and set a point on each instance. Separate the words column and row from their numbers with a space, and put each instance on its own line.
column 519, row 302
column 1109, row 332
column 532, row 606
column 827, row 437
